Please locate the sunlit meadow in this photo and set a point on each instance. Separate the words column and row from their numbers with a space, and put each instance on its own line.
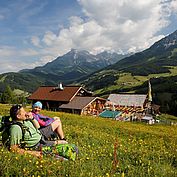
column 106, row 148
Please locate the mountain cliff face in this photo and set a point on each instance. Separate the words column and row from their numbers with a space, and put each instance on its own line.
column 67, row 69
column 78, row 61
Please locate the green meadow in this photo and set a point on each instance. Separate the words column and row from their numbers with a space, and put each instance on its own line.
column 106, row 148
column 128, row 81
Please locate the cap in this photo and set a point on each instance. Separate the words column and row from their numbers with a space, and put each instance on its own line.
column 14, row 109
column 37, row 104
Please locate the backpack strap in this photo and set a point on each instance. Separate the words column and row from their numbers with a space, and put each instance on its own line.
column 24, row 130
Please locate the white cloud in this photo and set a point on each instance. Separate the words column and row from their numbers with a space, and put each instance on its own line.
column 12, row 65
column 49, row 37
column 11, row 58
column 126, row 24
column 6, row 51
column 35, row 41
column 120, row 26
column 117, row 25
column 174, row 6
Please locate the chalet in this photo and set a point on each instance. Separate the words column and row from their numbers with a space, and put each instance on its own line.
column 71, row 99
column 131, row 106
column 84, row 105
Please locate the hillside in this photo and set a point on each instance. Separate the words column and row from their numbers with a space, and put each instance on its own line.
column 158, row 63
column 153, row 60
column 106, row 148
column 103, row 75
column 100, row 72
column 67, row 69
column 25, row 82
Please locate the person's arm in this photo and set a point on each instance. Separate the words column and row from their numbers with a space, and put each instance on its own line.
column 42, row 122
column 44, row 117
column 33, row 119
column 35, row 123
column 17, row 149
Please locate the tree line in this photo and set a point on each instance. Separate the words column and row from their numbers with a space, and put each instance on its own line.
column 9, row 97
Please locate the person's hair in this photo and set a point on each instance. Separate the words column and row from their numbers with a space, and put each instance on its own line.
column 14, row 111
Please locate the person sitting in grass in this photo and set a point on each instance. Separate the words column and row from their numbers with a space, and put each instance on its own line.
column 32, row 138
column 45, row 121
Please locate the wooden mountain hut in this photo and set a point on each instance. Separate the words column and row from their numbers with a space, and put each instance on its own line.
column 128, row 100
column 72, row 99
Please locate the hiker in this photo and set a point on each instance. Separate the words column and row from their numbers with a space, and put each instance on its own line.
column 45, row 121
column 32, row 136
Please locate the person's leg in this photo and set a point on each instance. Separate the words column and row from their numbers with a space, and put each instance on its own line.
column 47, row 132
column 57, row 127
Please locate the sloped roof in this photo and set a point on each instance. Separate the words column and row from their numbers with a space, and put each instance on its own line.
column 110, row 114
column 127, row 99
column 78, row 102
column 51, row 93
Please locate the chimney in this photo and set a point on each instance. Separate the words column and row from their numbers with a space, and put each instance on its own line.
column 60, row 86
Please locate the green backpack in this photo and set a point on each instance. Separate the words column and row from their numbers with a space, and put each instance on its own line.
column 67, row 151
column 5, row 124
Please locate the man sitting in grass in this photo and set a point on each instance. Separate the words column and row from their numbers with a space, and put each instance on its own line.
column 32, row 138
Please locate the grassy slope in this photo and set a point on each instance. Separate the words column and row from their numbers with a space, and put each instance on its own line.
column 127, row 81
column 107, row 148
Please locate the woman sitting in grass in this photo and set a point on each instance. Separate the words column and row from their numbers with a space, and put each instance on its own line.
column 52, row 124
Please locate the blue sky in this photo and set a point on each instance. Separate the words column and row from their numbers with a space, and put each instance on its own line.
column 34, row 32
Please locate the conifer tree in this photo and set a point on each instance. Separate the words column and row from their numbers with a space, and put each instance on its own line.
column 7, row 96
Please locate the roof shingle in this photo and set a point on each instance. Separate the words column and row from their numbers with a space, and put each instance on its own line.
column 127, row 99
column 50, row 93
column 78, row 102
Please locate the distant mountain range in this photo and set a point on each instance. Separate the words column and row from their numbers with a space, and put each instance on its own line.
column 67, row 68
column 107, row 73
column 160, row 60
column 103, row 70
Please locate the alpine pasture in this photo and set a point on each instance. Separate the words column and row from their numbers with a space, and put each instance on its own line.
column 106, row 148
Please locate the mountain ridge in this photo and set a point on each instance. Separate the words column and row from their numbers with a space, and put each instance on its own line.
column 103, row 75
column 160, row 58
column 67, row 68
